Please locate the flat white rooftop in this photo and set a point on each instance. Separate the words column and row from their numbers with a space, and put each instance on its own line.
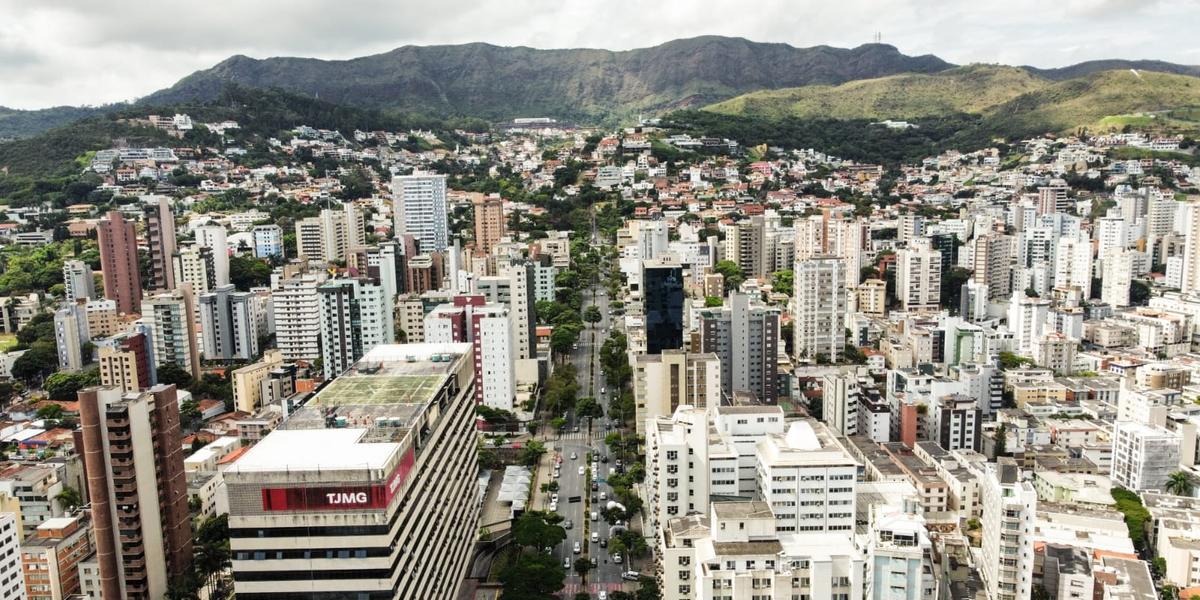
column 315, row 450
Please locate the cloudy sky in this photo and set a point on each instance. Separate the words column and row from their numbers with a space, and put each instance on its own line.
column 55, row 52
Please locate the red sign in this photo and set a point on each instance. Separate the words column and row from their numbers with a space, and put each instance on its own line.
column 352, row 497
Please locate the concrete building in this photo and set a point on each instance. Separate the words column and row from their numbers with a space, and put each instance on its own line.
column 819, row 307
column 326, row 237
column 1117, row 279
column 229, row 324
column 808, row 479
column 745, row 338
column 1143, row 456
column 379, row 501
column 247, row 381
column 50, row 557
column 488, row 328
column 919, row 277
column 419, row 208
column 196, row 266
column 169, row 315
column 117, row 240
column 738, row 552
column 1191, row 251
column 1009, row 514
column 12, row 583
column 872, row 297
column 664, row 382
column 160, row 237
column 955, row 422
column 70, row 334
column 268, row 241
column 214, row 237
column 900, row 564
column 133, row 460
column 79, row 281
column 662, row 299
column 992, row 264
column 489, row 222
column 745, row 245
column 514, row 287
column 297, row 310
column 1073, row 264
column 127, row 362
column 677, row 466
column 353, row 320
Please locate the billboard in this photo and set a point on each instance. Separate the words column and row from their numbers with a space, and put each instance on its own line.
column 340, row 497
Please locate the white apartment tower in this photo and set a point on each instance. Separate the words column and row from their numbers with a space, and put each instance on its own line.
column 213, row 237
column 170, row 316
column 919, row 277
column 419, row 208
column 1009, row 514
column 352, row 316
column 1143, row 456
column 489, row 330
column 229, row 324
column 78, row 281
column 819, row 307
column 297, row 311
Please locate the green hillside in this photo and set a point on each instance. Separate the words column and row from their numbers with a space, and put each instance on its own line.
column 1011, row 101
column 971, row 89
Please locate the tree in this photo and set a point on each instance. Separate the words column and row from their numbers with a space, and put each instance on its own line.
column 69, row 498
column 532, row 452
column 64, row 385
column 533, row 576
column 782, row 281
column 588, row 407
column 172, row 374
column 582, row 566
column 40, row 360
column 246, row 272
column 1002, row 440
column 592, row 314
column 1180, row 483
column 732, row 274
column 51, row 412
column 532, row 530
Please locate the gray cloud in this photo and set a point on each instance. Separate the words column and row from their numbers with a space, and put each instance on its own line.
column 88, row 53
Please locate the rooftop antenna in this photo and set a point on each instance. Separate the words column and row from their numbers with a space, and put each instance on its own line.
column 878, row 37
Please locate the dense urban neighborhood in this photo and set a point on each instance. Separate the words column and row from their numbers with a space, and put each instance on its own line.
column 244, row 353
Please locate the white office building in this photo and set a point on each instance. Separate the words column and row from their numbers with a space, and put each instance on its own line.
column 268, row 241
column 919, row 277
column 70, row 334
column 213, row 237
column 808, row 479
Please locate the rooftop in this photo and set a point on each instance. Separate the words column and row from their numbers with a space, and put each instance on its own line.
column 315, row 450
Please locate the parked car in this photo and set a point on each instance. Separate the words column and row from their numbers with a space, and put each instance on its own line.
column 581, row 470
column 616, row 557
column 630, row 575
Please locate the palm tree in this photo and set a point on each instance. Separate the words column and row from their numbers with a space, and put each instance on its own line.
column 1180, row 483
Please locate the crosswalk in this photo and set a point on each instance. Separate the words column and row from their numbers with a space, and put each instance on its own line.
column 569, row 590
column 596, row 434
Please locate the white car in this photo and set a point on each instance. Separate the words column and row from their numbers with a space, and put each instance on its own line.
column 595, row 537
column 553, row 507
column 566, row 563
column 574, row 456
column 603, row 496
column 602, row 595
column 556, row 473
column 577, row 548
column 581, row 470
column 554, row 498
column 616, row 557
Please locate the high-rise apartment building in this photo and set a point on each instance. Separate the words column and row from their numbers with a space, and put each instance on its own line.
column 368, row 490
column 297, row 310
column 12, row 584
column 160, row 237
column 514, row 287
column 489, row 222
column 745, row 245
column 664, row 382
column 268, row 241
column 329, row 236
column 919, row 277
column 214, row 237
column 79, row 282
column 745, row 338
column 133, row 460
column 169, row 315
column 1009, row 515
column 1073, row 264
column 992, row 263
column 195, row 265
column 70, row 334
column 419, row 208
column 127, row 362
column 662, row 299
column 819, row 307
column 352, row 317
column 117, row 239
column 489, row 330
column 229, row 324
